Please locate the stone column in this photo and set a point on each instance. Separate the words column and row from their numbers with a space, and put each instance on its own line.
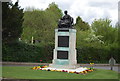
column 65, row 49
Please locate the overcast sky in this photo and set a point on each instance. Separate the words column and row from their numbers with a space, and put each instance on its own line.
column 88, row 10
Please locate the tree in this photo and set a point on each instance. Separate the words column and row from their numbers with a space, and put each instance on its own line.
column 81, row 25
column 12, row 19
column 104, row 28
column 40, row 24
column 92, row 38
column 55, row 11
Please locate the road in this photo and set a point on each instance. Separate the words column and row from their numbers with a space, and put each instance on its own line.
column 115, row 68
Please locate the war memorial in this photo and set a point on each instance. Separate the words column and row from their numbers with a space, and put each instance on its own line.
column 65, row 44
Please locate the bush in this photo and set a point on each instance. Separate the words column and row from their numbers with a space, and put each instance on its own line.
column 22, row 52
column 96, row 55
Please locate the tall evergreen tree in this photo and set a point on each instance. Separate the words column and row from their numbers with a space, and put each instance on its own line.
column 12, row 19
column 81, row 25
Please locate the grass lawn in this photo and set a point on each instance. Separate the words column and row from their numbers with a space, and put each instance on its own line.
column 25, row 72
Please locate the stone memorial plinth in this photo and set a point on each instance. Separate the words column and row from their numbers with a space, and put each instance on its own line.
column 65, row 49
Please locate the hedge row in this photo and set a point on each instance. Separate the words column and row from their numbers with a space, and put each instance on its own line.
column 21, row 52
column 101, row 55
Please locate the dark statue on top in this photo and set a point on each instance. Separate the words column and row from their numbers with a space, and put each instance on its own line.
column 66, row 21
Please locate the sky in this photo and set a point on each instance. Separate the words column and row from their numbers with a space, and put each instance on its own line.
column 88, row 10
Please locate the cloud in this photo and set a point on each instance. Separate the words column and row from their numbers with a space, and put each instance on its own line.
column 88, row 10
column 95, row 9
column 102, row 4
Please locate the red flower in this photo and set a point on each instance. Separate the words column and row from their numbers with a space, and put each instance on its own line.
column 40, row 60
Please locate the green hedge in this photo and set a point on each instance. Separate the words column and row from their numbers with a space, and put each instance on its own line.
column 101, row 55
column 21, row 52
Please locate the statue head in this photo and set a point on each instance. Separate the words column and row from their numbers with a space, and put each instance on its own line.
column 65, row 12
